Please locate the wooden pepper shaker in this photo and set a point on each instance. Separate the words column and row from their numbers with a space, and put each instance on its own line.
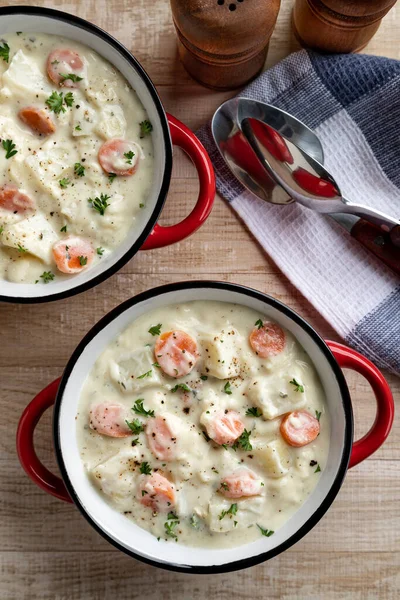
column 338, row 25
column 223, row 43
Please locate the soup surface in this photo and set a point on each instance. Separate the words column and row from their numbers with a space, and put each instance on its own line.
column 204, row 423
column 76, row 158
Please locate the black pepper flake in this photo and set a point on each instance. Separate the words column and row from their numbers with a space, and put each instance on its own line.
column 313, row 463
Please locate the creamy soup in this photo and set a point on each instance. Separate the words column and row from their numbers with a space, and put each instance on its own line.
column 76, row 158
column 204, row 423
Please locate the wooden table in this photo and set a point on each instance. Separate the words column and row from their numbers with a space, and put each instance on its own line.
column 48, row 550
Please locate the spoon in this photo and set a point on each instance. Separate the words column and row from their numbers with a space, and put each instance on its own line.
column 280, row 159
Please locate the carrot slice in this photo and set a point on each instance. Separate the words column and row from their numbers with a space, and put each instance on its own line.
column 267, row 340
column 161, row 439
column 62, row 62
column 226, row 427
column 241, row 483
column 108, row 418
column 157, row 492
column 120, row 157
column 12, row 199
column 73, row 254
column 37, row 119
column 299, row 428
column 176, row 353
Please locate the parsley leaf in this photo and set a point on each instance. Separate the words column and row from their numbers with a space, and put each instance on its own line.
column 129, row 155
column 55, row 102
column 266, row 532
column 71, row 76
column 47, row 276
column 181, row 386
column 156, row 365
column 111, row 177
column 5, row 52
column 1, row 230
column 232, row 510
column 79, row 170
column 194, row 521
column 100, row 203
column 169, row 528
column 63, row 229
column 100, row 251
column 203, row 377
column 224, row 485
column 9, row 147
column 145, row 128
column 243, row 441
column 253, row 412
column 145, row 468
column 172, row 516
column 156, row 330
column 140, row 410
column 318, row 414
column 22, row 249
column 147, row 374
column 135, row 426
column 78, row 128
column 259, row 324
column 82, row 260
column 64, row 182
column 227, row 388
column 69, row 99
column 297, row 385
column 318, row 469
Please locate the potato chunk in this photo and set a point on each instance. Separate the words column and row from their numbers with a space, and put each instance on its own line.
column 135, row 371
column 275, row 458
column 275, row 395
column 222, row 354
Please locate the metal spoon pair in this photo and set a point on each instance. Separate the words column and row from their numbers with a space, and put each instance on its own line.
column 278, row 158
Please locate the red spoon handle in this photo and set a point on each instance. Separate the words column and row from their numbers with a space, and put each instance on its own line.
column 378, row 242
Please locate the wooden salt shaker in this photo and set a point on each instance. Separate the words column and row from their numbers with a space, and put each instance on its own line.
column 338, row 25
column 223, row 43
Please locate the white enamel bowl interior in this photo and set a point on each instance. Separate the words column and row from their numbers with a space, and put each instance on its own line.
column 50, row 25
column 125, row 532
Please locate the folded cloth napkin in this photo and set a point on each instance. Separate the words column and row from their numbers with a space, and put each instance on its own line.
column 353, row 104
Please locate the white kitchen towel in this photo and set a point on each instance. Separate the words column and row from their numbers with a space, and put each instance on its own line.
column 353, row 104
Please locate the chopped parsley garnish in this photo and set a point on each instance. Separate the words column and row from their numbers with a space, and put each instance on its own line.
column 69, row 99
column 259, row 324
column 111, row 177
column 203, row 377
column 224, row 485
column 135, row 426
column 145, row 128
column 140, row 410
column 63, row 229
column 64, row 182
column 9, row 147
column 5, row 52
column 227, row 388
column 253, row 412
column 318, row 469
column 172, row 516
column 56, row 101
column 318, row 414
column 243, row 441
column 47, row 276
column 266, row 532
column 1, row 230
column 79, row 170
column 145, row 468
column 100, row 251
column 298, row 387
column 147, row 374
column 141, row 205
column 21, row 249
column 100, row 203
column 194, row 521
column 181, row 386
column 169, row 527
column 156, row 365
column 232, row 510
column 156, row 330
column 144, row 493
column 82, row 260
column 129, row 155
column 78, row 128
column 71, row 76
column 135, row 442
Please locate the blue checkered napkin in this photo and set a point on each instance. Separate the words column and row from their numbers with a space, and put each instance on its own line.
column 353, row 104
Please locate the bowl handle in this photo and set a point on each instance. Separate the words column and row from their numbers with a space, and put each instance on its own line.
column 186, row 139
column 367, row 445
column 25, row 447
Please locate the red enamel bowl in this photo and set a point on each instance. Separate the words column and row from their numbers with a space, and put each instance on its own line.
column 328, row 359
column 167, row 131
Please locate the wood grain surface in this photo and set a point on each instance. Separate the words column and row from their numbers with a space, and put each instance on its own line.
column 48, row 550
